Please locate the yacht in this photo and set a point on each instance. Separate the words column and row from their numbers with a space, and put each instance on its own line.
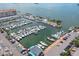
column 43, row 43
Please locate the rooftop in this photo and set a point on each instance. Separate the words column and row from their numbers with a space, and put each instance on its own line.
column 8, row 10
column 35, row 50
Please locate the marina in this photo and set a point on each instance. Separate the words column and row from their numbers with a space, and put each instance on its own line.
column 30, row 30
column 21, row 29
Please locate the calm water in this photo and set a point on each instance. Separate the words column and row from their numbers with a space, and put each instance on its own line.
column 68, row 13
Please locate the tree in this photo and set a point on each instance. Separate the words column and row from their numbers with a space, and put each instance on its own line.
column 66, row 53
column 76, row 42
column 58, row 22
column 1, row 30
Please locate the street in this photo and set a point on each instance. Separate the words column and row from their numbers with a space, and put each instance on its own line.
column 55, row 50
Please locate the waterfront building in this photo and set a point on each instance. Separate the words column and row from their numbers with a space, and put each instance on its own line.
column 35, row 51
column 7, row 12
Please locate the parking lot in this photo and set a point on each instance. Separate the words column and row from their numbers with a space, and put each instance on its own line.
column 6, row 48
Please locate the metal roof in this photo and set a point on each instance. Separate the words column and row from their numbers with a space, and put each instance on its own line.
column 7, row 10
column 35, row 50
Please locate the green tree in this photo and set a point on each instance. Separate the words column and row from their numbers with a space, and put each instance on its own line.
column 76, row 42
column 66, row 53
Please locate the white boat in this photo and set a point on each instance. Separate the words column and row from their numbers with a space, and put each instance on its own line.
column 51, row 39
column 58, row 34
column 41, row 46
column 43, row 43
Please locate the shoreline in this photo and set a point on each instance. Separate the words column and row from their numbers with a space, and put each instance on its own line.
column 57, row 44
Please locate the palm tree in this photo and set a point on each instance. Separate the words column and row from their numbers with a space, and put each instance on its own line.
column 66, row 53
column 76, row 42
column 1, row 30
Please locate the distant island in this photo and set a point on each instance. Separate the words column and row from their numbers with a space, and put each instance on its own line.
column 77, row 4
column 36, row 3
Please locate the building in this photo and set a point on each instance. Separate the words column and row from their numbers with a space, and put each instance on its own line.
column 35, row 51
column 7, row 12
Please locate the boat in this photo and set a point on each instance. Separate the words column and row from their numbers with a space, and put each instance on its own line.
column 51, row 39
column 71, row 28
column 43, row 43
column 40, row 45
column 57, row 35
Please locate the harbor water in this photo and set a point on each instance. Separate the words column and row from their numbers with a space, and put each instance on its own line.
column 67, row 13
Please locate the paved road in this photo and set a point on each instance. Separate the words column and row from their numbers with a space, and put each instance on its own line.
column 6, row 43
column 55, row 50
